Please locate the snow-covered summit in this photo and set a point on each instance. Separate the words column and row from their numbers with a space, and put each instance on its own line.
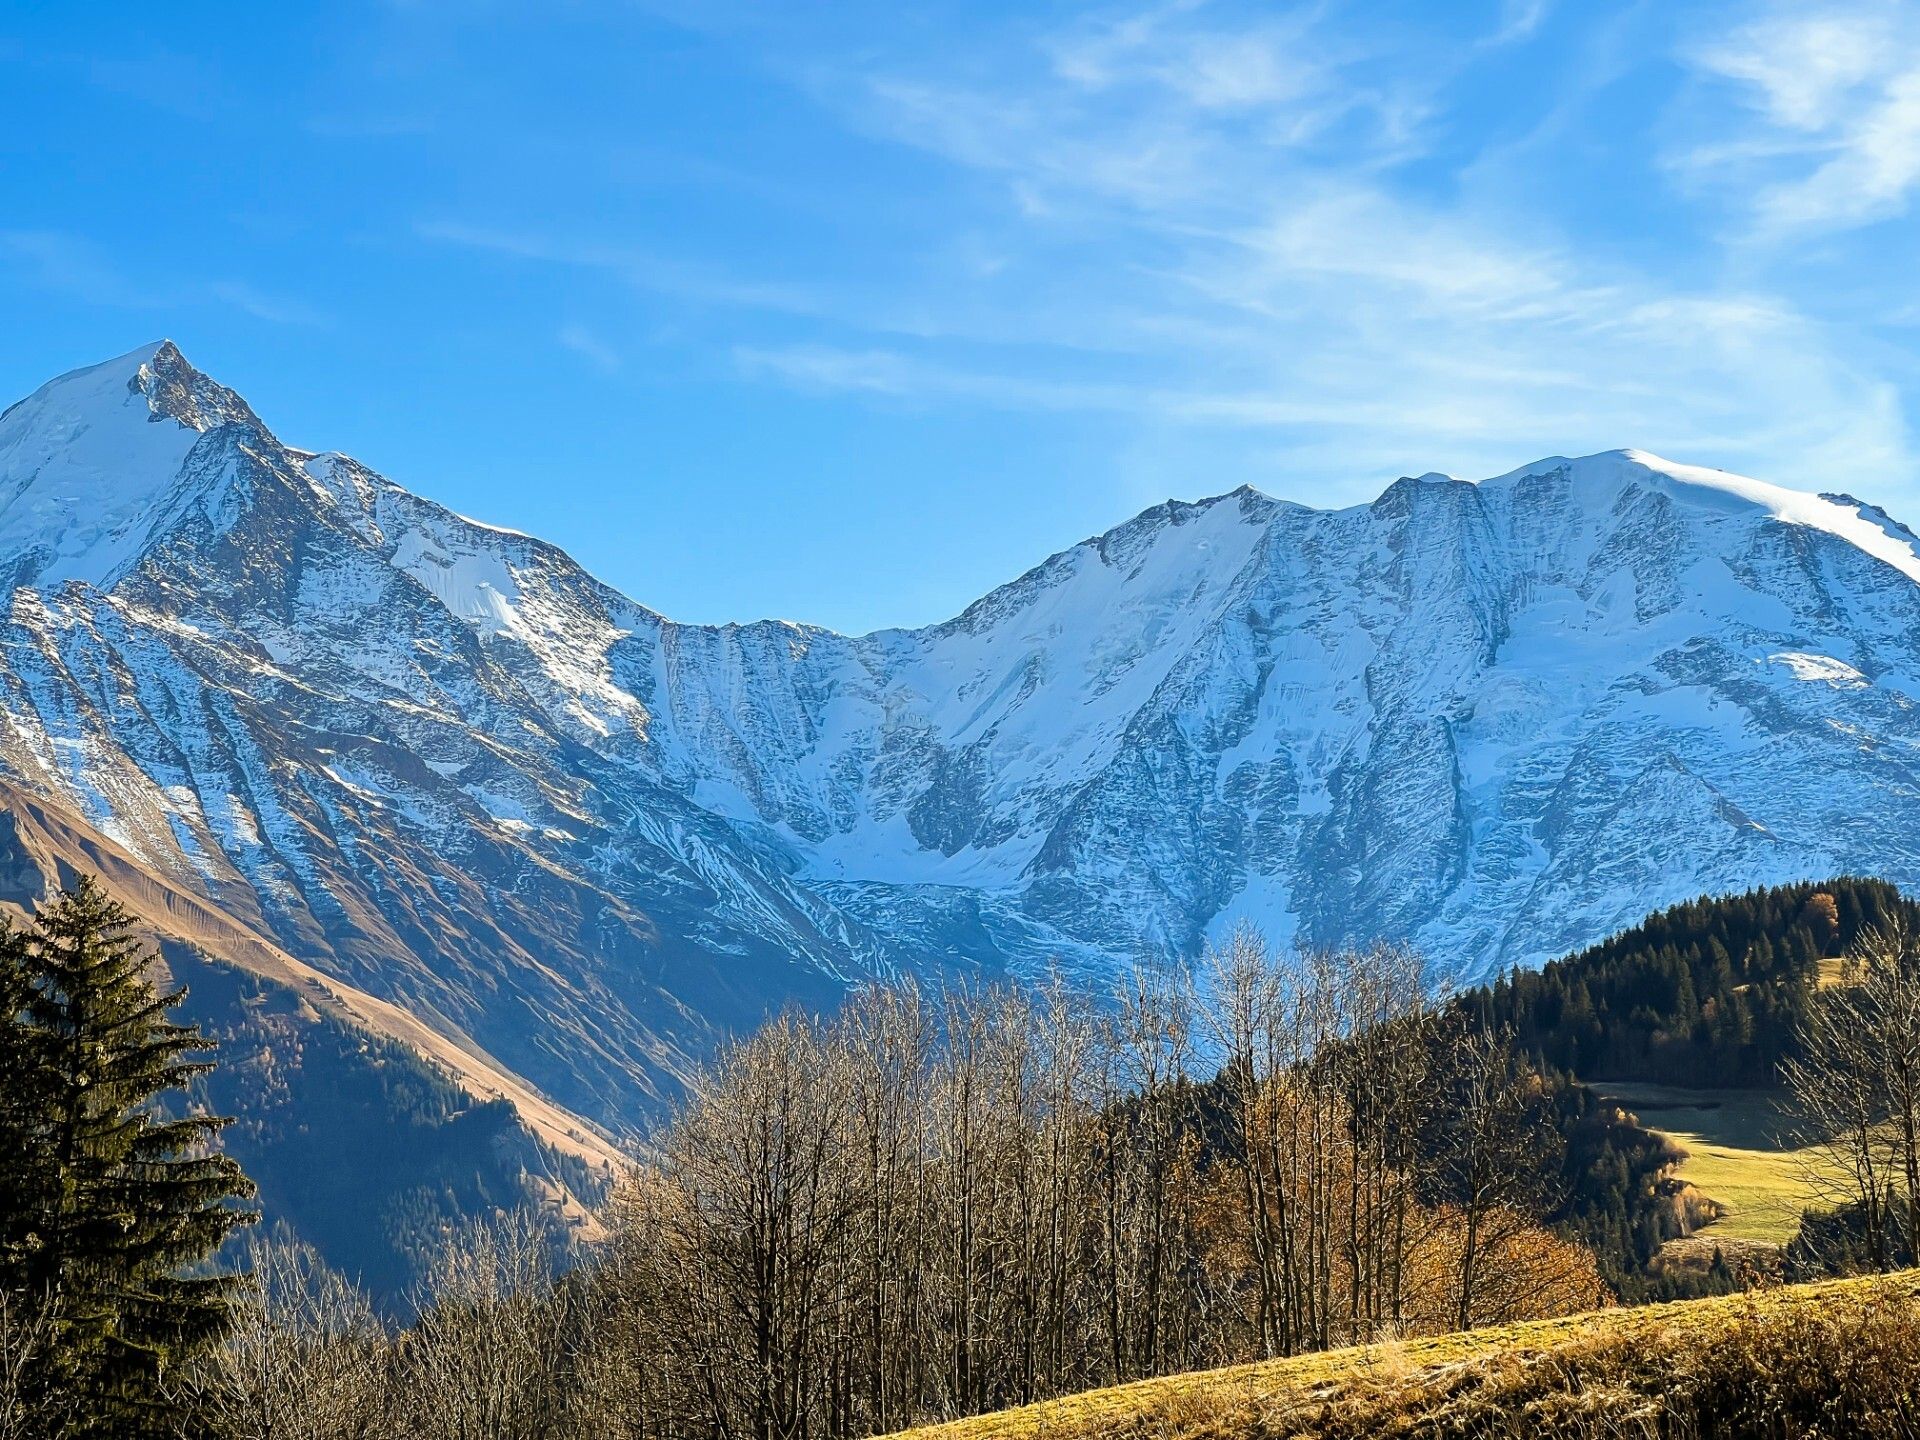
column 1613, row 475
column 95, row 464
column 434, row 757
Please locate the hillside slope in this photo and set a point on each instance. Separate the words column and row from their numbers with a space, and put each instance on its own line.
column 375, row 732
column 1835, row 1359
column 367, row 1133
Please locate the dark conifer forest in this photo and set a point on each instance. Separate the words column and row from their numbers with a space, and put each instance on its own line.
column 1707, row 994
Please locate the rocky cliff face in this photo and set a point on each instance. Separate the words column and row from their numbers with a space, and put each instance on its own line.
column 440, row 762
column 1497, row 719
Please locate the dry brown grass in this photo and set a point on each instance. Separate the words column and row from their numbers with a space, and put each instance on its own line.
column 1825, row 1361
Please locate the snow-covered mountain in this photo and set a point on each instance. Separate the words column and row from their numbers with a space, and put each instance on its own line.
column 438, row 761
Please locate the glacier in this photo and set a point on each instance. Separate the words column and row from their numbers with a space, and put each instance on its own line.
column 437, row 760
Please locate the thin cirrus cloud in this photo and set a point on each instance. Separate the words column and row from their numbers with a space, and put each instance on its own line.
column 76, row 266
column 1242, row 224
column 634, row 266
column 1836, row 91
column 1260, row 224
column 588, row 346
column 274, row 309
column 1519, row 20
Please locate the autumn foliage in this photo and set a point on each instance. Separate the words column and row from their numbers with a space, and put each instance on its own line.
column 937, row 1205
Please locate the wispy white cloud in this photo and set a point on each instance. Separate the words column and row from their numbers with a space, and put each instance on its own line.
column 69, row 264
column 899, row 376
column 1162, row 110
column 274, row 309
column 1261, row 67
column 687, row 280
column 589, row 346
column 1277, row 282
column 73, row 265
column 1836, row 93
column 1262, row 223
column 1519, row 20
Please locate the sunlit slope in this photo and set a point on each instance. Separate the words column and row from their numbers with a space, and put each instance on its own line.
column 1739, row 1154
column 1611, row 1363
column 366, row 1130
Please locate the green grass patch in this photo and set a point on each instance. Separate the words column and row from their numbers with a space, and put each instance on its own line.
column 1737, row 1155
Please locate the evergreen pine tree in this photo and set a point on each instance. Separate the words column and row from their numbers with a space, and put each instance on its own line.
column 1686, row 1001
column 138, row 1198
column 24, row 1173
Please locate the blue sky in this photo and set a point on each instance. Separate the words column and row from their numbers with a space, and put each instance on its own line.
column 847, row 312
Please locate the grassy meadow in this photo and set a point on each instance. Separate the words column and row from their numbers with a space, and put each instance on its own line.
column 1736, row 1155
column 1838, row 1358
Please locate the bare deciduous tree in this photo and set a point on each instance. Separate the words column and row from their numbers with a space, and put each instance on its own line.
column 1856, row 1090
column 29, row 1410
column 489, row 1357
column 305, row 1359
column 942, row 1202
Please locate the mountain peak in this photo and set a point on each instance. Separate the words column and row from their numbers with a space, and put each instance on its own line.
column 175, row 389
column 1494, row 721
column 157, row 371
column 88, row 460
column 135, row 359
column 1606, row 478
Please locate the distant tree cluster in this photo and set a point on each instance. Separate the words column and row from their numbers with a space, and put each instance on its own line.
column 108, row 1201
column 1712, row 993
column 1715, row 993
column 1619, row 1195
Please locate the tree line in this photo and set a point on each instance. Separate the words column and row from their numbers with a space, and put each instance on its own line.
column 1716, row 992
column 936, row 1202
column 943, row 1201
column 1711, row 993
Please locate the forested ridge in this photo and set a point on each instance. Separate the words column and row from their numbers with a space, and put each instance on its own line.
column 1709, row 993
